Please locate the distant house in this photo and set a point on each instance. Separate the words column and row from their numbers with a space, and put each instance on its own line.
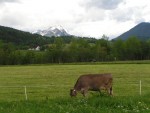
column 35, row 49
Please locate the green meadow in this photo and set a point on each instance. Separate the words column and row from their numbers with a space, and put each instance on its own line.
column 48, row 87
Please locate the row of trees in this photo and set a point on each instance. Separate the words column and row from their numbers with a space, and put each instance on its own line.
column 78, row 50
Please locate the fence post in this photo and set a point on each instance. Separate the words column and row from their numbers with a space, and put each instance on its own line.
column 140, row 88
column 25, row 92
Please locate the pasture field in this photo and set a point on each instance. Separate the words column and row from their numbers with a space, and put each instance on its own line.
column 48, row 87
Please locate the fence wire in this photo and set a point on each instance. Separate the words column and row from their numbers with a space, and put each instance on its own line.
column 29, row 92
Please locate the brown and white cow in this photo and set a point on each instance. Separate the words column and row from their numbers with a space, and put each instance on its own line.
column 93, row 82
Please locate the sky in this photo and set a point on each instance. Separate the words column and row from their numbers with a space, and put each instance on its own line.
column 91, row 18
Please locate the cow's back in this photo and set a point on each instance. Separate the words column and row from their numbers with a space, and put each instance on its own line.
column 93, row 81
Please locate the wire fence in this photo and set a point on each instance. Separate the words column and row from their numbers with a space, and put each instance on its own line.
column 28, row 92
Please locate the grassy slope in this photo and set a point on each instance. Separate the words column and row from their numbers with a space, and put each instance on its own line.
column 56, row 98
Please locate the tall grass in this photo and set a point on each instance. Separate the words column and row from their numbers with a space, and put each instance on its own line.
column 94, row 104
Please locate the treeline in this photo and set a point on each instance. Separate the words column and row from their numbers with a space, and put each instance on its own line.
column 77, row 50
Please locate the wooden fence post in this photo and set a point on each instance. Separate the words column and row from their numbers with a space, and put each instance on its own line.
column 25, row 92
column 140, row 87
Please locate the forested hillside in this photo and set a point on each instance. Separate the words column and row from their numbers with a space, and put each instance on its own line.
column 26, row 40
column 20, row 38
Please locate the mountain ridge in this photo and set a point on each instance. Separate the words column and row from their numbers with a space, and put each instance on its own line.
column 53, row 31
column 23, row 38
column 141, row 31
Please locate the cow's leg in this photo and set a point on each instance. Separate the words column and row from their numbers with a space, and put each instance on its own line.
column 108, row 90
column 100, row 91
column 111, row 91
column 84, row 92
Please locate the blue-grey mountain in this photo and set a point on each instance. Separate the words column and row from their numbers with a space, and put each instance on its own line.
column 141, row 31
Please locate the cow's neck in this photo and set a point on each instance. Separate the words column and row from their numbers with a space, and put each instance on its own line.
column 77, row 88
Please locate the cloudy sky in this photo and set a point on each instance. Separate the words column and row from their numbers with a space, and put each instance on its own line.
column 79, row 17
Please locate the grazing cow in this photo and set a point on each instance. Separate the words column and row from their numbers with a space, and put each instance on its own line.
column 92, row 82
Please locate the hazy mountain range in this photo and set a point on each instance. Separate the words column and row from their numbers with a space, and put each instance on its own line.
column 41, row 37
column 141, row 31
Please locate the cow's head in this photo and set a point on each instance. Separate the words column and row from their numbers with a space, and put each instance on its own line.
column 73, row 92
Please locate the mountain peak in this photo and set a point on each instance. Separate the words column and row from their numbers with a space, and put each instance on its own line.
column 56, row 27
column 141, row 31
column 53, row 31
column 143, row 23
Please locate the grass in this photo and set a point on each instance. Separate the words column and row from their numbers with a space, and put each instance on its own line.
column 95, row 104
column 48, row 89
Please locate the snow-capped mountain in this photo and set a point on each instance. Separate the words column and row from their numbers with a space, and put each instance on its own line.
column 53, row 31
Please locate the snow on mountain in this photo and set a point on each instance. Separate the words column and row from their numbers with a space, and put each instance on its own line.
column 53, row 31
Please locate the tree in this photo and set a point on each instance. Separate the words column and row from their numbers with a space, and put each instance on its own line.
column 118, row 50
column 102, row 50
column 55, row 51
column 84, row 51
column 104, row 37
column 73, row 51
column 146, row 49
column 133, row 48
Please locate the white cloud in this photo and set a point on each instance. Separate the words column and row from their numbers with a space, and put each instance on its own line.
column 5, row 1
column 79, row 17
